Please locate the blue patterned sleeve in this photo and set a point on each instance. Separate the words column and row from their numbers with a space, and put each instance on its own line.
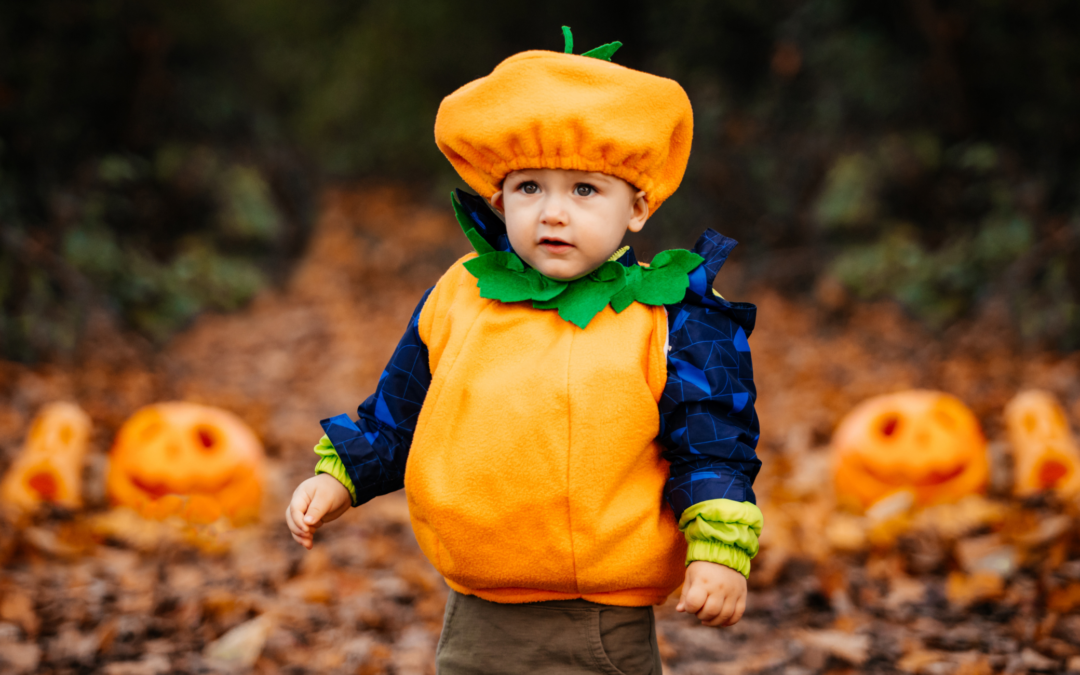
column 374, row 448
column 707, row 421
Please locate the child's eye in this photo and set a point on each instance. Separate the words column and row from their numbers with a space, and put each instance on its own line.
column 529, row 187
column 584, row 190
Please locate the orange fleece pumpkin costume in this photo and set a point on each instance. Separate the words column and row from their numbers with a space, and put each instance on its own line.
column 571, row 507
column 527, row 446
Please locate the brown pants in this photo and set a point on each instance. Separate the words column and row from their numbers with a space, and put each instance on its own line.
column 541, row 638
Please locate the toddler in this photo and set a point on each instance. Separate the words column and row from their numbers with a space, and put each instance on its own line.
column 574, row 430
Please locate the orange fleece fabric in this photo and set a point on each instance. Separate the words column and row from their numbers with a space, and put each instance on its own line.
column 534, row 472
column 546, row 110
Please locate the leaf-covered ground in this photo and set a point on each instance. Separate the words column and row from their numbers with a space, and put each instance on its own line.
column 990, row 585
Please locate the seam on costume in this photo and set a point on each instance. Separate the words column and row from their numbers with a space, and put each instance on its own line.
column 569, row 438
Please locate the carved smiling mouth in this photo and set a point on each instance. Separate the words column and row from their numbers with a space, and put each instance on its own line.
column 926, row 480
column 159, row 490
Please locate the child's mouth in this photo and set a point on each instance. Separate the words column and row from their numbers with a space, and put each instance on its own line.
column 555, row 245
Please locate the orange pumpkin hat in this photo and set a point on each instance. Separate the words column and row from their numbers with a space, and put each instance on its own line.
column 546, row 110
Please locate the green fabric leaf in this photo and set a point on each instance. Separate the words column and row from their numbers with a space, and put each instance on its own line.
column 666, row 280
column 568, row 40
column 625, row 297
column 580, row 302
column 503, row 277
column 679, row 258
column 477, row 240
column 604, row 52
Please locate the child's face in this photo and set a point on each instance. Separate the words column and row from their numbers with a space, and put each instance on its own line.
column 565, row 223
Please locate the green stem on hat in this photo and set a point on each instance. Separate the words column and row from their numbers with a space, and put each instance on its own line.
column 603, row 52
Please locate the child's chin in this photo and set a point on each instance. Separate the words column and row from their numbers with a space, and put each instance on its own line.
column 561, row 270
column 564, row 275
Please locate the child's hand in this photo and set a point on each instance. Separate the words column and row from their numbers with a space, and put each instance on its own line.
column 317, row 500
column 715, row 593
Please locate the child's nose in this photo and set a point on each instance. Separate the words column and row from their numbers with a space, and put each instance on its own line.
column 554, row 211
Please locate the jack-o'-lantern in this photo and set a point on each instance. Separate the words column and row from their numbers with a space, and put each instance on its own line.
column 1045, row 452
column 49, row 469
column 187, row 460
column 927, row 443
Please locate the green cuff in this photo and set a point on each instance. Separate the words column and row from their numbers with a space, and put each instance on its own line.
column 722, row 531
column 330, row 463
column 721, row 554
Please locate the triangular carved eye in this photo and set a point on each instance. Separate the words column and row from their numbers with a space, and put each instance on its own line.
column 44, row 483
column 206, row 439
column 1051, row 472
column 889, row 425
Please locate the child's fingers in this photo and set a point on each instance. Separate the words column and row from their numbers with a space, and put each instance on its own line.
column 290, row 521
column 294, row 514
column 693, row 598
column 711, row 609
column 740, row 607
column 321, row 503
column 303, row 538
column 305, row 541
column 723, row 613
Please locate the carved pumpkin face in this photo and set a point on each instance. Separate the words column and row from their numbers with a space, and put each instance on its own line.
column 1045, row 452
column 49, row 469
column 924, row 442
column 190, row 460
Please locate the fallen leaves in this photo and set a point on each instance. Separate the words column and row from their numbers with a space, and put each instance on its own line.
column 852, row 648
column 241, row 646
column 17, row 607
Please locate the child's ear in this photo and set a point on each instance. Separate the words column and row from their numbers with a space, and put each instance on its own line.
column 496, row 201
column 639, row 212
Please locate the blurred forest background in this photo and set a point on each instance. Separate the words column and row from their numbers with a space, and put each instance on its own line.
column 160, row 159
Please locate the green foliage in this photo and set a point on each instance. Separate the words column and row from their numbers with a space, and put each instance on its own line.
column 941, row 275
column 160, row 297
column 937, row 283
column 849, row 197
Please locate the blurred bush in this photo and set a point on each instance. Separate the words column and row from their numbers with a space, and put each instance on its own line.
column 159, row 159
